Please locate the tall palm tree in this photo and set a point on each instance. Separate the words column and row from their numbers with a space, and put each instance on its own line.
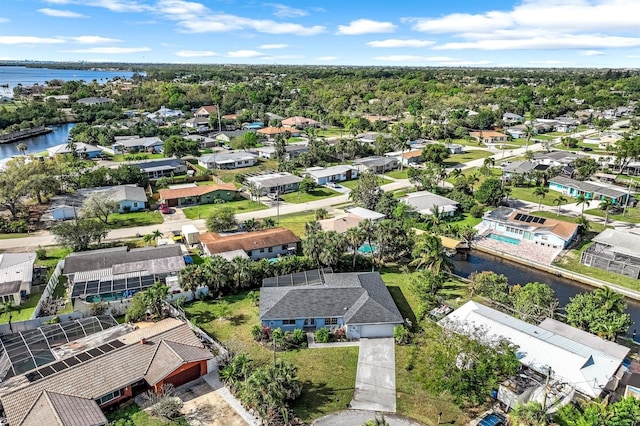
column 528, row 132
column 217, row 271
column 241, row 271
column 540, row 192
column 155, row 296
column 606, row 205
column 147, row 238
column 157, row 235
column 369, row 228
column 582, row 200
column 611, row 300
column 560, row 200
column 191, row 277
column 355, row 237
column 584, row 224
column 22, row 147
column 333, row 247
column 429, row 253
column 507, row 191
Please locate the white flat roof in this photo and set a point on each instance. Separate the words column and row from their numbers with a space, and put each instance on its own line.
column 364, row 213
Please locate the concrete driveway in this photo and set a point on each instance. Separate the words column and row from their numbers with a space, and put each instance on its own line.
column 376, row 376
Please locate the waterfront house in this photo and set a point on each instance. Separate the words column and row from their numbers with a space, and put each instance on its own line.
column 325, row 175
column 591, row 190
column 228, row 160
column 352, row 217
column 102, row 370
column 583, row 361
column 488, row 136
column 276, row 183
column 194, row 195
column 376, row 165
column 426, row 203
column 514, row 226
column 614, row 251
column 298, row 122
column 359, row 302
column 256, row 245
column 136, row 144
column 81, row 149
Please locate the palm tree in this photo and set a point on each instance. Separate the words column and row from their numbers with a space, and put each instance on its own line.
column 528, row 132
column 582, row 200
column 611, row 300
column 606, row 205
column 560, row 200
column 429, row 253
column 241, row 270
column 332, row 248
column 147, row 238
column 157, row 235
column 369, row 228
column 191, row 277
column 155, row 296
column 355, row 237
column 22, row 147
column 584, row 224
column 507, row 191
column 540, row 192
column 217, row 271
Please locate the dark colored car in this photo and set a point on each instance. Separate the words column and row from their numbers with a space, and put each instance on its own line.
column 493, row 419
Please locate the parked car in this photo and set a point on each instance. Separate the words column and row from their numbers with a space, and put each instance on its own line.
column 493, row 419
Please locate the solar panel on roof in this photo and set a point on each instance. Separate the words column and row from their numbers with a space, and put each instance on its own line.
column 105, row 348
column 529, row 219
column 59, row 366
column 83, row 356
column 71, row 361
column 46, row 371
column 116, row 344
column 518, row 216
column 542, row 220
column 33, row 376
column 94, row 352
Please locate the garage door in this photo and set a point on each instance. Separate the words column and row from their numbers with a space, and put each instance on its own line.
column 186, row 376
column 377, row 330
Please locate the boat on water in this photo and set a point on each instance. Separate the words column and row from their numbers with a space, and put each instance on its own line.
column 5, row 85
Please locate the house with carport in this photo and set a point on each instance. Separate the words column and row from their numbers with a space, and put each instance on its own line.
column 256, row 245
column 194, row 195
column 325, row 175
column 360, row 302
column 275, row 183
column 228, row 160
column 151, row 144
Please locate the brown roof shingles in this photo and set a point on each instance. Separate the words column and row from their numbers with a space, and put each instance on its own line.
column 248, row 241
column 564, row 230
column 100, row 375
column 195, row 191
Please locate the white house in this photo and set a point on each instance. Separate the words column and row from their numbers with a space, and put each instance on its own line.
column 83, row 150
column 413, row 156
column 129, row 198
column 151, row 144
column 16, row 275
column 324, row 175
column 425, row 202
column 228, row 160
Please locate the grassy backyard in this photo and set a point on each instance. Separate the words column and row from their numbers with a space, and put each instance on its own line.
column 303, row 197
column 594, row 227
column 205, row 210
column 632, row 215
column 525, row 193
column 136, row 157
column 398, row 174
column 129, row 220
column 351, row 184
column 230, row 175
column 296, row 222
column 466, row 157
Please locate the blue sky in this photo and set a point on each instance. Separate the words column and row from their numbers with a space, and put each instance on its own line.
column 491, row 33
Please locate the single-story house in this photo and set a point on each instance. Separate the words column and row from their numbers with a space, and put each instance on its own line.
column 614, row 251
column 158, row 168
column 226, row 136
column 511, row 118
column 583, row 361
column 263, row 244
column 359, row 302
column 101, row 371
column 205, row 111
column 292, row 150
column 376, row 164
column 591, row 190
column 163, row 113
column 298, row 122
column 83, row 150
column 16, row 276
column 129, row 198
column 488, row 136
column 151, row 144
column 425, row 202
column 119, row 272
column 556, row 158
column 194, row 195
column 353, row 217
column 197, row 123
column 454, row 148
column 228, row 160
column 95, row 100
column 363, row 213
column 517, row 226
column 271, row 132
column 324, row 175
column 413, row 156
column 370, row 137
column 517, row 132
column 204, row 141
column 275, row 183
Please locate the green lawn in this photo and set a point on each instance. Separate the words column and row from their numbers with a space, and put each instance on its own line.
column 128, row 220
column 545, row 137
column 464, row 142
column 468, row 220
column 295, row 139
column 296, row 222
column 303, row 197
column 351, row 184
column 526, row 194
column 398, row 174
column 11, row 236
column 328, row 375
column 135, row 157
column 24, row 311
column 332, row 132
column 263, row 165
column 205, row 210
column 54, row 254
column 466, row 157
column 632, row 215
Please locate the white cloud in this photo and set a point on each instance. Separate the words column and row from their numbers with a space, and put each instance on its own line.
column 326, row 58
column 94, row 39
column 540, row 24
column 61, row 13
column 366, row 26
column 274, row 46
column 401, row 43
column 197, row 18
column 29, row 40
column 592, row 53
column 112, row 50
column 195, row 53
column 112, row 5
column 244, row 54
column 284, row 11
column 3, row 20
column 633, row 56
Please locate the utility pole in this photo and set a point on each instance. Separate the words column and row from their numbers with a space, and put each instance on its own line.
column 219, row 121
column 278, row 204
column 546, row 389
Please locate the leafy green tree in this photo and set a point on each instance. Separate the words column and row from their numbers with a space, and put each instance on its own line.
column 79, row 234
column 247, row 141
column 354, row 238
column 155, row 297
column 429, row 253
column 177, row 146
column 98, row 205
column 392, row 240
column 22, row 147
column 191, row 277
column 491, row 285
column 222, row 219
column 367, row 192
column 435, row 153
column 529, row 414
column 490, row 191
column 307, row 185
column 534, row 301
column 624, row 412
column 602, row 312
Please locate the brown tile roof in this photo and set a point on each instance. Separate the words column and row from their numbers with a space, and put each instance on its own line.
column 299, row 121
column 273, row 130
column 230, row 116
column 195, row 191
column 168, row 358
column 340, row 224
column 100, row 375
column 412, row 154
column 64, row 410
column 248, row 241
column 564, row 230
column 209, row 108
column 487, row 134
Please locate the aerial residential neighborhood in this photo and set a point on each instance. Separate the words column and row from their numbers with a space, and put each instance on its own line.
column 433, row 221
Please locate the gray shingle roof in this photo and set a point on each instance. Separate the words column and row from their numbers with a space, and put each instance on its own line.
column 149, row 141
column 590, row 187
column 375, row 161
column 128, row 193
column 622, row 242
column 107, row 258
column 360, row 298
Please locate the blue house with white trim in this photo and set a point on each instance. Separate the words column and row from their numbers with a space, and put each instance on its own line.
column 591, row 190
column 359, row 302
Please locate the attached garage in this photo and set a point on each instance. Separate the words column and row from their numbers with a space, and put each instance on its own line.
column 357, row 331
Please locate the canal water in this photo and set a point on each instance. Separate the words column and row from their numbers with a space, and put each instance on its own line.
column 520, row 274
column 38, row 144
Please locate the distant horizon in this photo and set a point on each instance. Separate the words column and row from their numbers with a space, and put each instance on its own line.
column 465, row 33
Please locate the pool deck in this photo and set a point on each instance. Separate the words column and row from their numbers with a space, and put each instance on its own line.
column 524, row 249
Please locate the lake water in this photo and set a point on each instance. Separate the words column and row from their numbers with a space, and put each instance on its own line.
column 27, row 76
column 519, row 274
column 38, row 144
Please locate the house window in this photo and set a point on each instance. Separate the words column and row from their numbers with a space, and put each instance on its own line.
column 249, row 253
column 270, row 249
column 135, row 204
column 109, row 397
column 289, row 322
column 285, row 247
column 331, row 321
column 261, row 250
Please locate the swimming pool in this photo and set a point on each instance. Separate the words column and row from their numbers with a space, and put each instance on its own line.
column 503, row 239
column 367, row 249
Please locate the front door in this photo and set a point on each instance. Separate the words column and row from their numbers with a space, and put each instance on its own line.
column 310, row 322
